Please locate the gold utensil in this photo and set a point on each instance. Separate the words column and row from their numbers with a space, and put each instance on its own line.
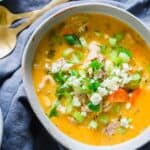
column 7, row 18
column 8, row 35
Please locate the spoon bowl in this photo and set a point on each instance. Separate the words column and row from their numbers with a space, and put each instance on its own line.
column 7, row 41
column 7, row 18
column 8, row 35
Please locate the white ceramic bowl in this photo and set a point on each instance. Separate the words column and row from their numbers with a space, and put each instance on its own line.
column 57, row 16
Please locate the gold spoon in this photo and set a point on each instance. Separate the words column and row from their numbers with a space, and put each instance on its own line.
column 8, row 35
column 7, row 18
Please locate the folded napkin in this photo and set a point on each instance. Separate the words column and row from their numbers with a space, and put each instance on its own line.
column 22, row 130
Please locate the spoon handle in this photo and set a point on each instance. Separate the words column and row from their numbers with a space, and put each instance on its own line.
column 38, row 13
column 35, row 14
column 22, row 15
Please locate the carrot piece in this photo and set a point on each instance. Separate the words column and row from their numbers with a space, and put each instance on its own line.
column 134, row 96
column 120, row 95
column 65, row 31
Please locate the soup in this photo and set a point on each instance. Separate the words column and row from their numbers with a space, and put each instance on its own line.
column 91, row 74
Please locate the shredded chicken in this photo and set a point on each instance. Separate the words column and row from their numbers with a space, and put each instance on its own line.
column 111, row 127
column 47, row 67
column 61, row 64
column 44, row 80
column 94, row 52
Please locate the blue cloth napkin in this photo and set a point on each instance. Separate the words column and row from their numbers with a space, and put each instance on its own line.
column 22, row 130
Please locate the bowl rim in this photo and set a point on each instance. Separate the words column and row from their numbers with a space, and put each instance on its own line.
column 61, row 9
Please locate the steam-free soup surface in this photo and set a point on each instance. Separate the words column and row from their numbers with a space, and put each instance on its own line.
column 91, row 74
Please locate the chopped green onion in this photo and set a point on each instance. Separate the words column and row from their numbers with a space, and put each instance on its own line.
column 78, row 116
column 60, row 77
column 121, row 130
column 113, row 41
column 92, row 107
column 74, row 73
column 93, row 85
column 67, row 52
column 62, row 91
column 104, row 119
column 93, row 124
column 53, row 110
column 72, row 39
column 95, row 65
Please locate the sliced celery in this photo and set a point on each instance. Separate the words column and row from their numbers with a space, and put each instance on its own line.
column 103, row 49
column 121, row 130
column 121, row 49
column 83, row 42
column 116, row 108
column 124, row 57
column 69, row 104
column 67, row 52
column 78, row 116
column 113, row 41
column 82, row 73
column 118, row 36
column 148, row 68
column 76, row 57
column 135, row 80
column 104, row 119
column 114, row 57
column 93, row 124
